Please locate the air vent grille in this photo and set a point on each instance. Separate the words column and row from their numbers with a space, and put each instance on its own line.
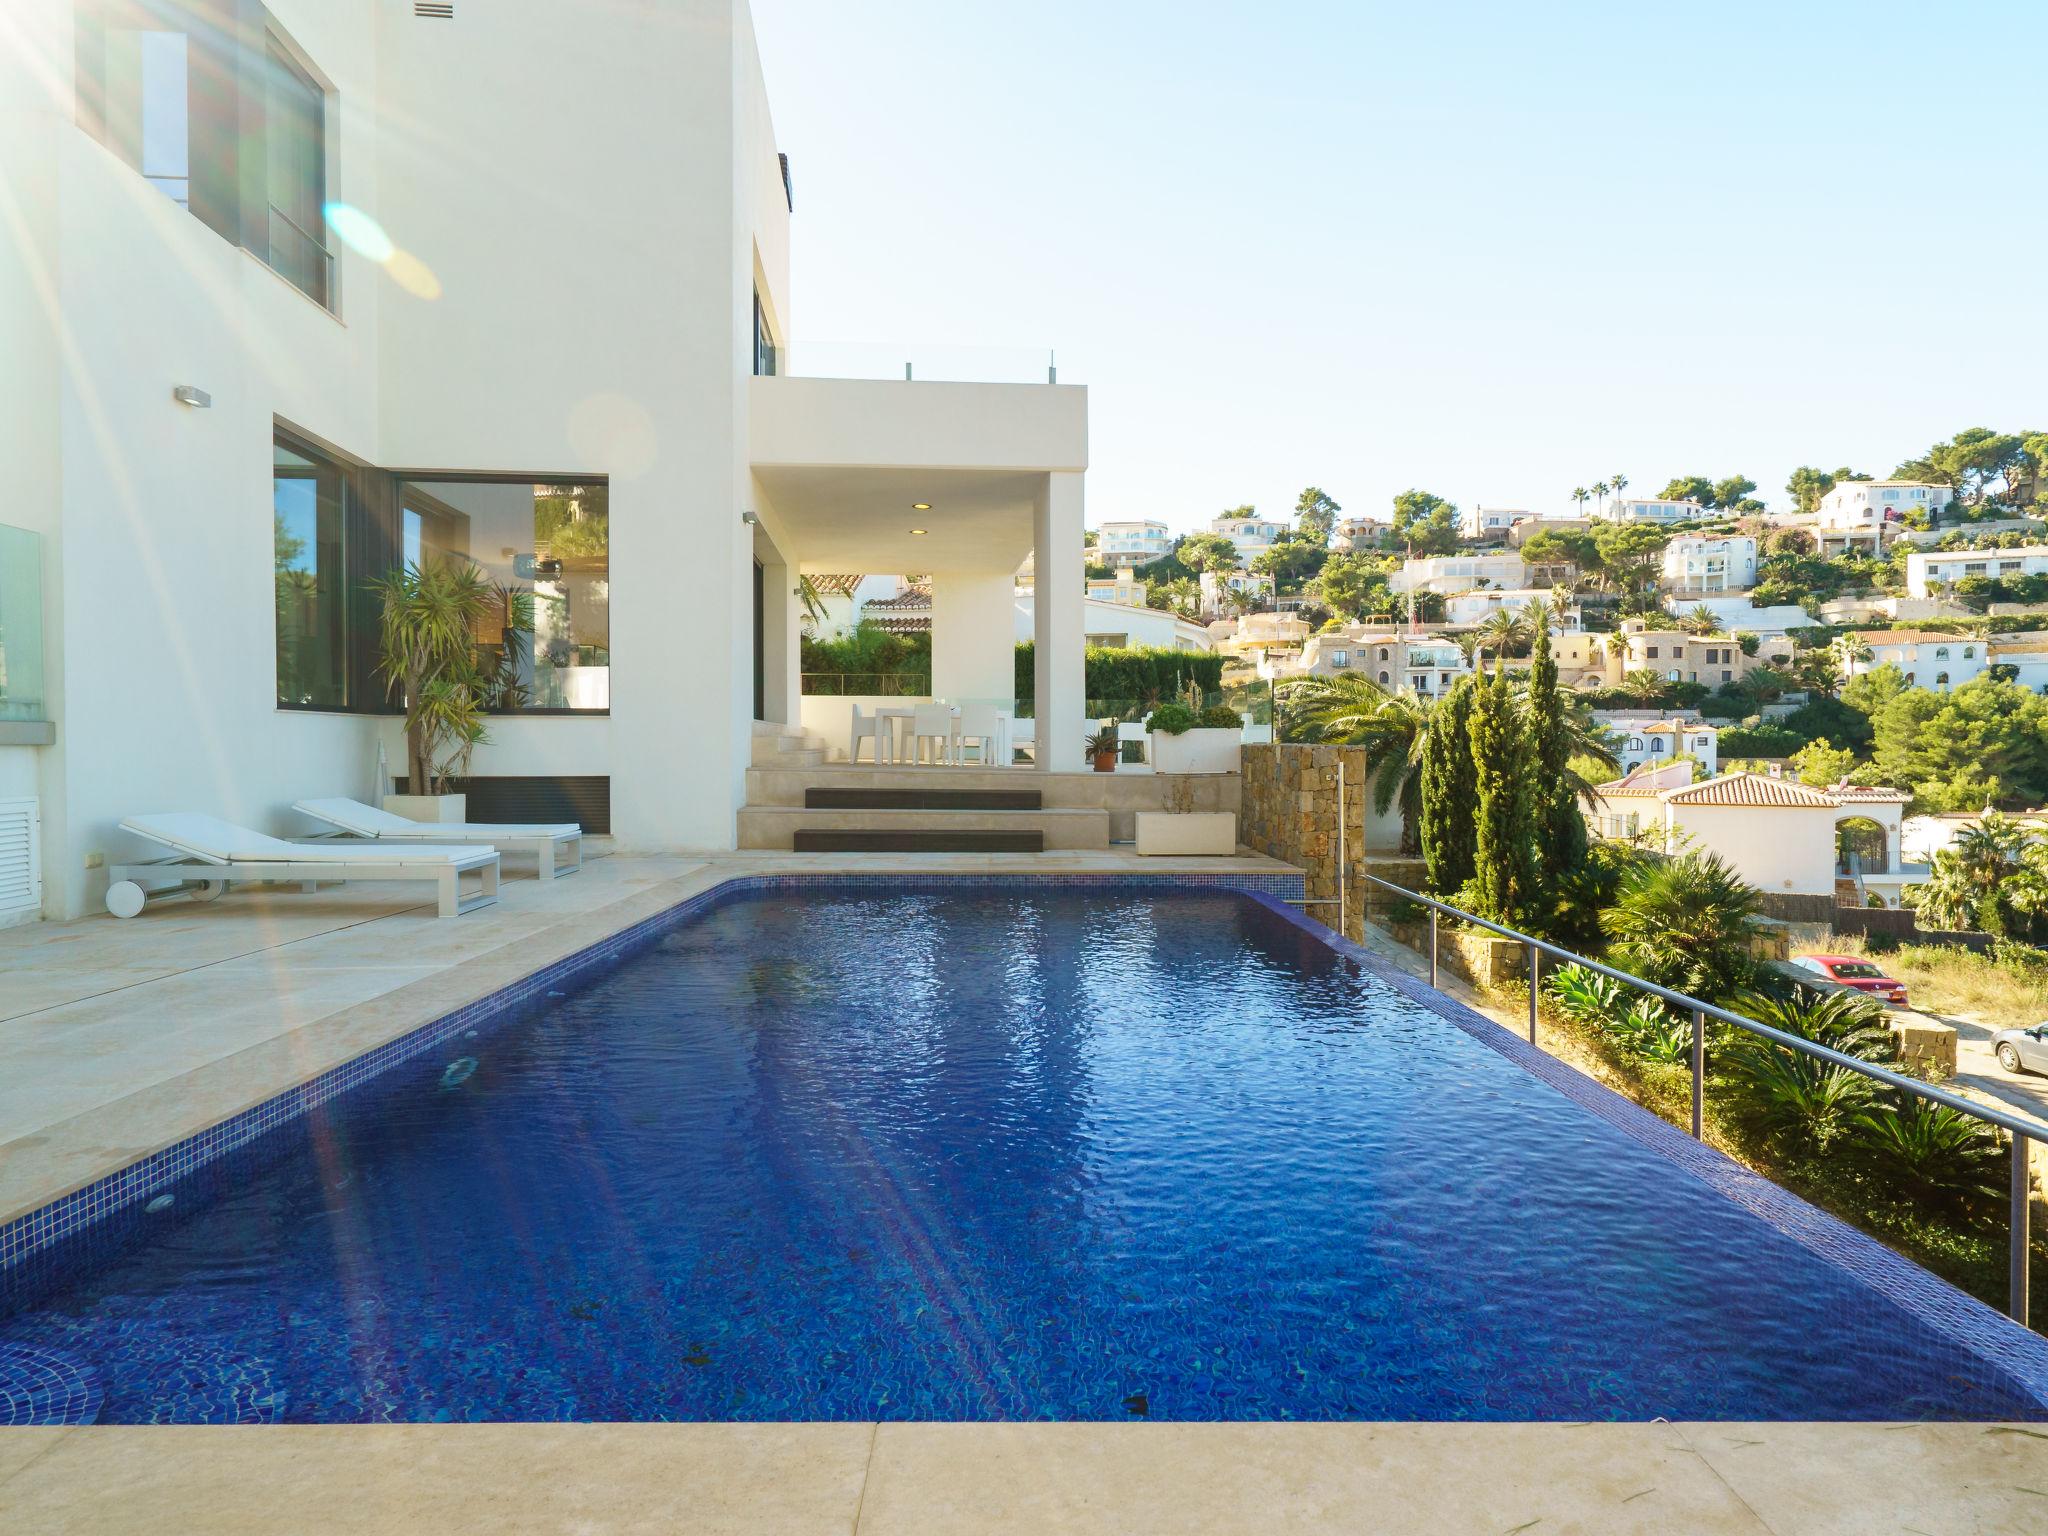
column 434, row 10
column 21, row 871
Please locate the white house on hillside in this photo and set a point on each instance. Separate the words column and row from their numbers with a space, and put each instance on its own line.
column 1475, row 606
column 1640, row 742
column 1929, row 658
column 1460, row 573
column 1781, row 836
column 1702, row 563
column 1926, row 570
column 290, row 302
column 1489, row 525
column 1649, row 510
column 1866, row 506
column 1251, row 535
column 1356, row 533
column 1132, row 543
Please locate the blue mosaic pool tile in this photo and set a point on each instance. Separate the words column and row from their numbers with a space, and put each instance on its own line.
column 1946, row 1310
column 40, row 1387
column 28, row 1238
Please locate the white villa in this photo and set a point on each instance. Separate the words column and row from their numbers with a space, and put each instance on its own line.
column 258, row 355
column 1132, row 543
column 1637, row 509
column 1639, row 740
column 1872, row 510
column 1702, row 564
column 1251, row 535
column 1929, row 658
column 1930, row 569
column 1782, row 836
column 1254, row 585
column 1472, row 607
column 1489, row 525
column 1460, row 573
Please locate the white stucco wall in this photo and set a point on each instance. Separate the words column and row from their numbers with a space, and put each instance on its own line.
column 1776, row 849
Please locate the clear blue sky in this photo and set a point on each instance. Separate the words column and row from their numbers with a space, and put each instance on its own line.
column 1493, row 250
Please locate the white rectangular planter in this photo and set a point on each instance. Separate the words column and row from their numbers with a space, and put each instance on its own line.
column 1187, row 832
column 435, row 808
column 1205, row 749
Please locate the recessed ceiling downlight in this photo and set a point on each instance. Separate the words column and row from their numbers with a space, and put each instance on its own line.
column 920, row 506
column 918, row 531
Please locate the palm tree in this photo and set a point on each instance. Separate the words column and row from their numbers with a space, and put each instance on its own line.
column 1850, row 651
column 1701, row 621
column 1503, row 630
column 1600, row 490
column 426, row 648
column 1581, row 495
column 1348, row 710
column 1620, row 484
column 1686, row 923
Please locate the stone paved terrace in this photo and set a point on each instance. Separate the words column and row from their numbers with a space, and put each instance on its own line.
column 116, row 1038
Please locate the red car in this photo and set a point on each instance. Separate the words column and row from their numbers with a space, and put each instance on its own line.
column 1855, row 971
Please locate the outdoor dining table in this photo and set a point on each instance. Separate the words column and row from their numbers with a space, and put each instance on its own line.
column 899, row 716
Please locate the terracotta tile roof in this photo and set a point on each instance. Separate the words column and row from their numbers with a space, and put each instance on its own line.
column 1869, row 793
column 1876, row 637
column 838, row 586
column 1752, row 789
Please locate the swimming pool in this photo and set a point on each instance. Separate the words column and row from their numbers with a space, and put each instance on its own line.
column 998, row 1153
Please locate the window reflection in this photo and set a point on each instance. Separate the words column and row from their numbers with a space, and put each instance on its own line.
column 311, row 587
column 547, row 546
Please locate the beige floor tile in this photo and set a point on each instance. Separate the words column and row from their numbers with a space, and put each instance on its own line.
column 19, row 1447
column 1258, row 1479
column 451, row 1480
column 1941, row 1479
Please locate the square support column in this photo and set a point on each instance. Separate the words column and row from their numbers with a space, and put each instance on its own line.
column 1059, row 634
column 974, row 637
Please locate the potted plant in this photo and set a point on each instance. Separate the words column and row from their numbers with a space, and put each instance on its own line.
column 1187, row 740
column 427, row 649
column 1103, row 749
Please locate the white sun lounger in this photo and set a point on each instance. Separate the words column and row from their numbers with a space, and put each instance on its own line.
column 210, row 853
column 547, row 842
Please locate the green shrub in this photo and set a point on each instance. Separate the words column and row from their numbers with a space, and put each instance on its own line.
column 1136, row 674
column 1933, row 1157
column 1172, row 719
column 1220, row 717
column 1794, row 1105
column 1760, row 741
column 1685, row 923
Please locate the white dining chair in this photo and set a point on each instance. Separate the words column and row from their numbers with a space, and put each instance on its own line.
column 1024, row 736
column 934, row 723
column 981, row 727
column 875, row 728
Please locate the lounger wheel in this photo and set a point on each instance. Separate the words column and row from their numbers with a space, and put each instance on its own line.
column 124, row 898
column 206, row 890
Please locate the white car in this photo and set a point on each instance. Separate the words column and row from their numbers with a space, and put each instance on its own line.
column 2022, row 1050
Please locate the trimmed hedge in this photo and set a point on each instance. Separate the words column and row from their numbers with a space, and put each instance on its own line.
column 1759, row 741
column 1139, row 674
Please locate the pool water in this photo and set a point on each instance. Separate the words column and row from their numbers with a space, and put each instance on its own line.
column 984, row 1154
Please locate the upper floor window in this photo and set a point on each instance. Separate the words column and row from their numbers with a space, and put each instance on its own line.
column 767, row 358
column 223, row 114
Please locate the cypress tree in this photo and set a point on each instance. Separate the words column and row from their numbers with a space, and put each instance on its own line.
column 1560, row 829
column 1448, row 790
column 1504, row 851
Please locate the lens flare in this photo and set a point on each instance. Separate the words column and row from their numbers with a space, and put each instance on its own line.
column 413, row 275
column 359, row 232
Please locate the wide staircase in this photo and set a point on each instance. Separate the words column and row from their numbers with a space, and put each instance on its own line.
column 796, row 800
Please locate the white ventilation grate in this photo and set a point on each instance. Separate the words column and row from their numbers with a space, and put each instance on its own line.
column 434, row 10
column 21, row 857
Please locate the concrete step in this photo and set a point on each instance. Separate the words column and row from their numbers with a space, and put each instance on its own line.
column 775, row 826
column 833, row 797
column 796, row 751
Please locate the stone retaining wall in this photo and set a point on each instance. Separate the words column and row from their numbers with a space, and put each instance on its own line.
column 1289, row 812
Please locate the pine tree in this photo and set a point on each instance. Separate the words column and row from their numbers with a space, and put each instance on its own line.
column 1505, row 881
column 1448, row 790
column 1560, row 829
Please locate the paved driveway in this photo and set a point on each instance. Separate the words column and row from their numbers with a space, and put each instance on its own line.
column 1978, row 1071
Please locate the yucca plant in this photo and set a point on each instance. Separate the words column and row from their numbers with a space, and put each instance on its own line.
column 427, row 648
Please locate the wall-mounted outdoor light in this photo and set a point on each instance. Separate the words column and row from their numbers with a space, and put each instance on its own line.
column 192, row 395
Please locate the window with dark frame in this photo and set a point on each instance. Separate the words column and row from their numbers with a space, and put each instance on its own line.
column 213, row 104
column 543, row 543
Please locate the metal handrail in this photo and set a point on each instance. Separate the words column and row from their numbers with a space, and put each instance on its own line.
column 2021, row 1128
